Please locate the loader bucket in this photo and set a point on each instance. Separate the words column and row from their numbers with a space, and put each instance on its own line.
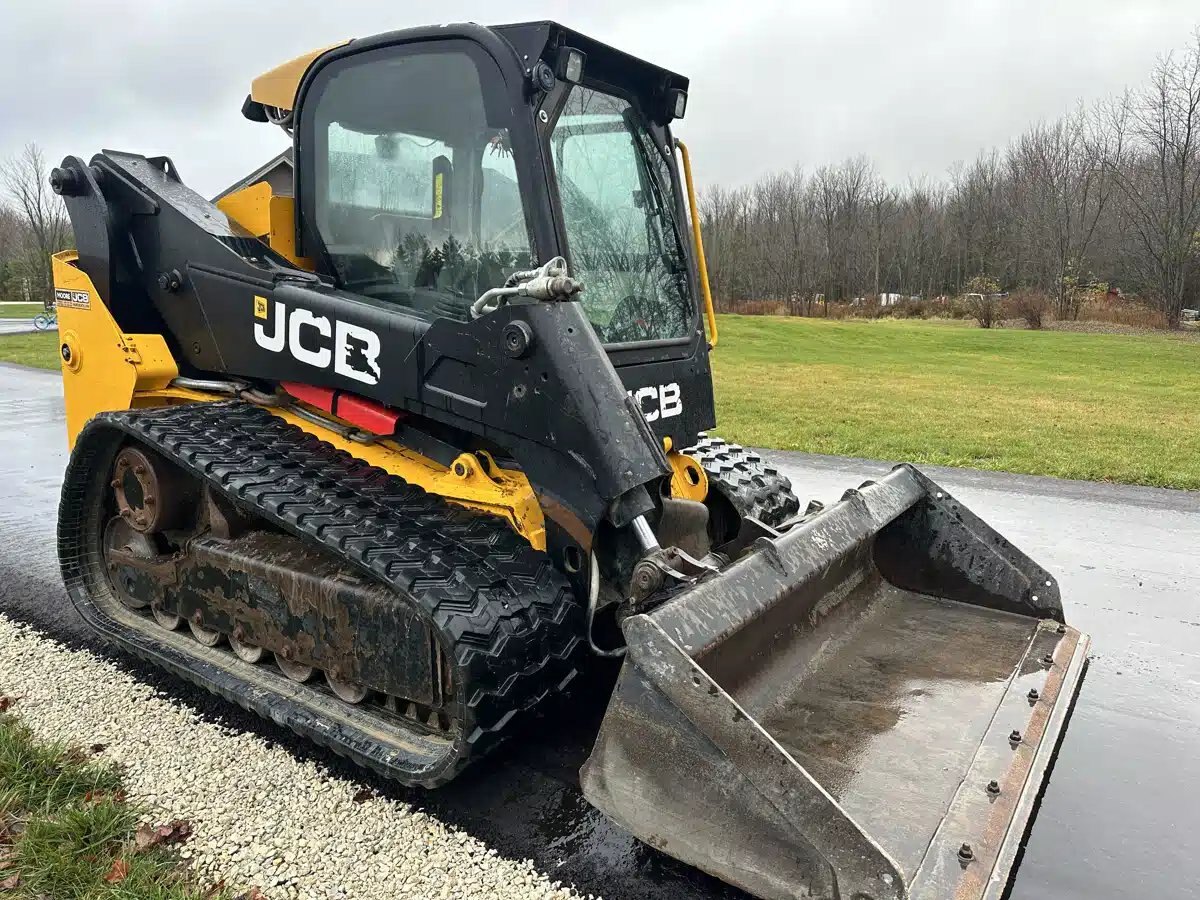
column 863, row 708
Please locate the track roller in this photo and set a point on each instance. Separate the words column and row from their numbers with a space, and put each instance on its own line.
column 246, row 651
column 297, row 672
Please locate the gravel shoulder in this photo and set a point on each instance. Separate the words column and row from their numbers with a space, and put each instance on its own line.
column 261, row 817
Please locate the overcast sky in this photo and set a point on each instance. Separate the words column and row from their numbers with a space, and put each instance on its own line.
column 914, row 85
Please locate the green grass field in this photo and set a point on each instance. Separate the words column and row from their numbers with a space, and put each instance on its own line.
column 20, row 310
column 1102, row 407
column 38, row 349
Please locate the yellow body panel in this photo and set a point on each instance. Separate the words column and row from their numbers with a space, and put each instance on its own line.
column 102, row 366
column 269, row 218
column 500, row 492
column 250, row 207
column 109, row 370
column 282, row 236
column 689, row 481
column 278, row 86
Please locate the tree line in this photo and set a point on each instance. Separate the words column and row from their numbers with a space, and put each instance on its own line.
column 1108, row 195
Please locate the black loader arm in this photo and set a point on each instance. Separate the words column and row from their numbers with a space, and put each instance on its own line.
column 165, row 259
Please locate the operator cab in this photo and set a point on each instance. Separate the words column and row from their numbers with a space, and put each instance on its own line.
column 432, row 164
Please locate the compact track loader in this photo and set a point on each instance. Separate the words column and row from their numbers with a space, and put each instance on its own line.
column 391, row 457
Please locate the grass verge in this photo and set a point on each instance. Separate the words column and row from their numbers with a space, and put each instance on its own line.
column 68, row 832
column 1100, row 407
column 20, row 310
column 1091, row 406
column 38, row 349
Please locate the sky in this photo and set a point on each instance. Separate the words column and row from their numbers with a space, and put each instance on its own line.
column 914, row 85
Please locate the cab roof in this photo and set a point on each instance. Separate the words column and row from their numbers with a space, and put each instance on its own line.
column 277, row 88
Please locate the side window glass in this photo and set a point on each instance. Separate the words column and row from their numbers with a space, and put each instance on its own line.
column 620, row 221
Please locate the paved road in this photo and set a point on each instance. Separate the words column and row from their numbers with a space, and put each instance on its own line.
column 16, row 326
column 1118, row 820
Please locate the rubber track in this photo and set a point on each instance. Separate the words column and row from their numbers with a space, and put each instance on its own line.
column 754, row 488
column 514, row 623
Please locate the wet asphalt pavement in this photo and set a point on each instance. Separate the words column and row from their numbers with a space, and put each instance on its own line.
column 16, row 326
column 1119, row 818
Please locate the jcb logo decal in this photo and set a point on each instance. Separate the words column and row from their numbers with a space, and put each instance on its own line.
column 659, row 402
column 75, row 299
column 351, row 350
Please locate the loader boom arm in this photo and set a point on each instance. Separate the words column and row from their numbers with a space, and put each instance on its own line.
column 229, row 306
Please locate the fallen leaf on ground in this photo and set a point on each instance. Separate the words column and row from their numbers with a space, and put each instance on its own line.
column 98, row 748
column 6, row 702
column 175, row 832
column 252, row 894
column 117, row 873
column 97, row 796
column 11, row 883
column 364, row 795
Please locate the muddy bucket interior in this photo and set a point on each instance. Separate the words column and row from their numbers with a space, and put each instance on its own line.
column 841, row 712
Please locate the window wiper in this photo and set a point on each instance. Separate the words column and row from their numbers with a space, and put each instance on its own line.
column 661, row 204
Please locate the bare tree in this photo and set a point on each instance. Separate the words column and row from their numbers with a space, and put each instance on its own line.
column 1158, row 135
column 42, row 215
column 882, row 203
column 827, row 204
column 1062, row 182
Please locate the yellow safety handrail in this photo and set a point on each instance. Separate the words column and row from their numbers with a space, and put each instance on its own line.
column 710, row 314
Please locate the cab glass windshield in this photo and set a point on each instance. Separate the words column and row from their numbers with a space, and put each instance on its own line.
column 418, row 201
column 624, row 240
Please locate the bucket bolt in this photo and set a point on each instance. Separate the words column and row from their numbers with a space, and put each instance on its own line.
column 993, row 787
column 1047, row 660
column 1033, row 695
column 965, row 853
column 170, row 281
column 1015, row 737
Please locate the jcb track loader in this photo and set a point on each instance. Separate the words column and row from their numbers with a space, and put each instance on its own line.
column 392, row 458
